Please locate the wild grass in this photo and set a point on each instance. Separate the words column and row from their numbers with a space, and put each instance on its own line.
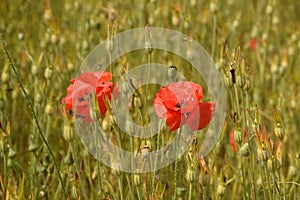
column 254, row 44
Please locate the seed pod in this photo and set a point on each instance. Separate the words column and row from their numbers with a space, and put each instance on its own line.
column 109, row 45
column 48, row 73
column 238, row 135
column 221, row 190
column 272, row 164
column 244, row 150
column 11, row 153
column 279, row 132
column 213, row 7
column 269, row 9
column 4, row 77
column 137, row 179
column 291, row 172
column 262, row 154
column 190, row 175
column 172, row 72
column 34, row 69
column 68, row 133
column 204, row 179
column 48, row 109
column 69, row 158
column 148, row 47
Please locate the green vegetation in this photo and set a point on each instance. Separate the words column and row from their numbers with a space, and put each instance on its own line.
column 254, row 44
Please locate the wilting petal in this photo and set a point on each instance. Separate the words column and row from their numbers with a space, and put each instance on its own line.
column 198, row 119
column 174, row 120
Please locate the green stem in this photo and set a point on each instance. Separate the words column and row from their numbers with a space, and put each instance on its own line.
column 30, row 105
column 190, row 190
column 214, row 35
column 176, row 163
column 243, row 174
column 120, row 187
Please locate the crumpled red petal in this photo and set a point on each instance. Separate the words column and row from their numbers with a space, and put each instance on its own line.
column 201, row 115
column 174, row 120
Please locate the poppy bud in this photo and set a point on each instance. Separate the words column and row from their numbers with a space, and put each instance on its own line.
column 279, row 132
column 1, row 146
column 34, row 69
column 244, row 150
column 213, row 7
column 38, row 98
column 74, row 192
column 11, row 153
column 269, row 9
column 42, row 194
column 291, row 172
column 145, row 151
column 70, row 66
column 14, row 94
column 172, row 72
column 48, row 109
column 106, row 124
column 180, row 191
column 262, row 154
column 148, row 47
column 69, row 158
column 46, row 161
column 21, row 36
column 4, row 77
column 175, row 20
column 32, row 145
column 238, row 135
column 241, row 80
column 109, row 45
column 189, row 54
column 204, row 179
column 221, row 190
column 137, row 179
column 190, row 174
column 9, row 162
column 54, row 39
column 272, row 164
column 94, row 174
column 68, row 133
column 48, row 73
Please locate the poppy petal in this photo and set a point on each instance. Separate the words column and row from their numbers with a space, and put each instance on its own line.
column 174, row 120
column 201, row 115
column 159, row 107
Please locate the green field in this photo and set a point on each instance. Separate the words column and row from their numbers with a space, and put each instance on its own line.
column 254, row 44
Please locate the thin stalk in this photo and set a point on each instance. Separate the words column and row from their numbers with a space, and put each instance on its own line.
column 190, row 190
column 214, row 35
column 268, row 181
column 243, row 174
column 30, row 105
column 155, row 163
column 276, row 185
column 176, row 163
column 5, row 171
column 138, row 193
column 120, row 188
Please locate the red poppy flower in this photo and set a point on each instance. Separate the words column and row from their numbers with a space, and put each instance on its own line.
column 80, row 89
column 232, row 141
column 253, row 44
column 179, row 103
